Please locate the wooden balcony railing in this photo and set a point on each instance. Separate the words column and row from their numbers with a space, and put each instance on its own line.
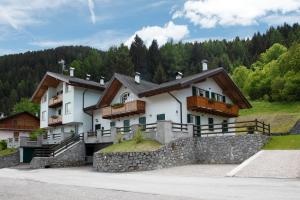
column 126, row 109
column 202, row 104
column 55, row 120
column 55, row 101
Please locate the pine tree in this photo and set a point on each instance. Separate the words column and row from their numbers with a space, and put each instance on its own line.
column 138, row 54
column 160, row 75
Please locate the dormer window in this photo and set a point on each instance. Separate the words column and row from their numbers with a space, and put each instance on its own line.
column 124, row 97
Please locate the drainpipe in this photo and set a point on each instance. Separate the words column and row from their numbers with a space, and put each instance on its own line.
column 180, row 104
column 85, row 111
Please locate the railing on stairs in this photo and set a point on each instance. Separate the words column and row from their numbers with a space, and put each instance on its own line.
column 52, row 150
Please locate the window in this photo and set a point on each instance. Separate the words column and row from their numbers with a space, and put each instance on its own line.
column 59, row 92
column 190, row 118
column 112, row 124
column 126, row 124
column 124, row 97
column 97, row 127
column 142, row 122
column 198, row 92
column 225, row 126
column 68, row 108
column 207, row 94
column 160, row 117
column 211, row 124
column 213, row 96
column 59, row 112
column 224, row 99
column 44, row 116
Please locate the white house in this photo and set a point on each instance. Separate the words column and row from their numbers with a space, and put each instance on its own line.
column 207, row 98
column 63, row 100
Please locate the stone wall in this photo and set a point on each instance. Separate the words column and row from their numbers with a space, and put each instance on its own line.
column 10, row 160
column 74, row 156
column 224, row 149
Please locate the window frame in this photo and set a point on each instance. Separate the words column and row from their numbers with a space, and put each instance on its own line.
column 68, row 108
column 160, row 115
column 211, row 124
column 122, row 97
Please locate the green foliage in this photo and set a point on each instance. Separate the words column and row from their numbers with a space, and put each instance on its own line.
column 138, row 136
column 132, row 146
column 289, row 142
column 3, row 145
column 119, row 137
column 7, row 152
column 36, row 133
column 26, row 105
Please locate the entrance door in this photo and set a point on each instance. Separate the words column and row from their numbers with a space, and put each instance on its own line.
column 198, row 123
column 27, row 155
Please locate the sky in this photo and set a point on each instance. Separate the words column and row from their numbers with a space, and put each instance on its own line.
column 28, row 25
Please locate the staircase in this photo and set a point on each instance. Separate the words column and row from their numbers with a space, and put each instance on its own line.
column 53, row 150
column 296, row 128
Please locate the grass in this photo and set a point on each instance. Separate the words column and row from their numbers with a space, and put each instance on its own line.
column 131, row 146
column 282, row 116
column 7, row 152
column 283, row 143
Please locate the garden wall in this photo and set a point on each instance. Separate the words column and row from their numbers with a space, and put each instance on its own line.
column 10, row 160
column 210, row 150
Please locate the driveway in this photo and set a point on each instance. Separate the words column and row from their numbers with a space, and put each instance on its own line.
column 173, row 183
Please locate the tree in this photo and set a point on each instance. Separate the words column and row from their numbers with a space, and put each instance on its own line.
column 153, row 58
column 26, row 105
column 240, row 76
column 160, row 75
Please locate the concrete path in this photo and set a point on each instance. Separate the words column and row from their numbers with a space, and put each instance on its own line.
column 198, row 187
column 270, row 163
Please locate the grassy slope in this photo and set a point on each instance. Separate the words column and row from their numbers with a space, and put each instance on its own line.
column 281, row 116
column 131, row 146
column 283, row 142
column 7, row 152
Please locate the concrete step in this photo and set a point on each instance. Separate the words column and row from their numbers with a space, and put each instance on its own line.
column 270, row 164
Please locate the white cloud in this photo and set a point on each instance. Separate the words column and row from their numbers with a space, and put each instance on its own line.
column 91, row 5
column 210, row 13
column 169, row 31
column 101, row 40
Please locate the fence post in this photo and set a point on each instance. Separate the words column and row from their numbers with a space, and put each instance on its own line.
column 269, row 131
column 263, row 127
column 256, row 129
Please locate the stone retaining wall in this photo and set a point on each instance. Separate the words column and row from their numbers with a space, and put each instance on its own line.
column 10, row 160
column 74, row 156
column 225, row 150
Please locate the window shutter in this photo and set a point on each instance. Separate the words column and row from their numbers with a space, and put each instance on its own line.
column 112, row 124
column 207, row 94
column 194, row 89
column 160, row 117
column 224, row 99
column 142, row 120
column 126, row 124
column 189, row 118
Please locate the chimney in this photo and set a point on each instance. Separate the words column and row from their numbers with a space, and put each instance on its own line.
column 137, row 77
column 2, row 115
column 88, row 77
column 72, row 71
column 179, row 75
column 63, row 66
column 204, row 65
column 102, row 81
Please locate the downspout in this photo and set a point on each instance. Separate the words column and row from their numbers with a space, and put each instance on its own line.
column 180, row 104
column 85, row 111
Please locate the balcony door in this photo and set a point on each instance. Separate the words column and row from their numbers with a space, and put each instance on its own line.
column 198, row 123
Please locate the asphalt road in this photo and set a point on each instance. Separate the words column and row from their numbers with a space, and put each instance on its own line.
column 79, row 183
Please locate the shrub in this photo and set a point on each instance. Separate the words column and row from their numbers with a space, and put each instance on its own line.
column 119, row 137
column 138, row 136
column 34, row 134
column 3, row 145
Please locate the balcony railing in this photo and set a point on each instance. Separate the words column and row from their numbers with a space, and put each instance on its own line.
column 55, row 101
column 55, row 120
column 121, row 110
column 202, row 104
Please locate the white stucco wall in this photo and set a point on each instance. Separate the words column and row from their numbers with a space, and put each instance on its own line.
column 165, row 104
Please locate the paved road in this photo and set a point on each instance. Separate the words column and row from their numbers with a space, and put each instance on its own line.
column 70, row 180
column 272, row 164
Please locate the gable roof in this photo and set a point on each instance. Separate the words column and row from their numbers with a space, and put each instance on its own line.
column 146, row 89
column 17, row 114
column 52, row 79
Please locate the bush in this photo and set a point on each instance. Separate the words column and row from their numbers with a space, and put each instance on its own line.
column 3, row 145
column 138, row 136
column 119, row 138
column 34, row 134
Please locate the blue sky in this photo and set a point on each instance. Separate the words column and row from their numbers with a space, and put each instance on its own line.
column 27, row 25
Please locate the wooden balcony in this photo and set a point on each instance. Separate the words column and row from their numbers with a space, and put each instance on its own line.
column 202, row 104
column 127, row 109
column 55, row 120
column 55, row 101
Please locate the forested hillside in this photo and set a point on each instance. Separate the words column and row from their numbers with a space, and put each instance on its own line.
column 20, row 73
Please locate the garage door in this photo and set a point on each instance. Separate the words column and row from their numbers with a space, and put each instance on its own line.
column 27, row 155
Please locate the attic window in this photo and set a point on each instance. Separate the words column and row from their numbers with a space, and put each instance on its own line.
column 124, row 97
